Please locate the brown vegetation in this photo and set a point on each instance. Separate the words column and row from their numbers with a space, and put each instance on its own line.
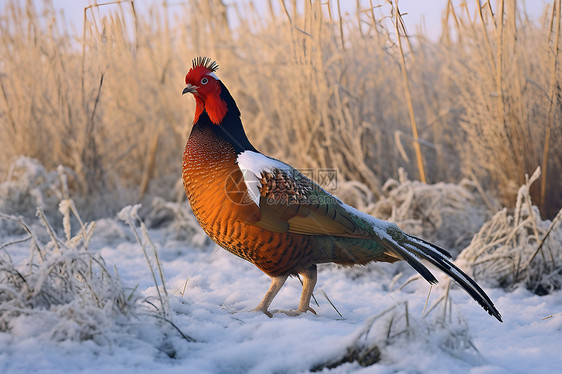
column 315, row 89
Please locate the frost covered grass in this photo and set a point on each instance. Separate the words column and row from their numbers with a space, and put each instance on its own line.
column 518, row 247
column 59, row 290
column 130, row 215
column 56, row 289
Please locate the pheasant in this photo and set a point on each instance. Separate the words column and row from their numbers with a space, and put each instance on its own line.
column 268, row 213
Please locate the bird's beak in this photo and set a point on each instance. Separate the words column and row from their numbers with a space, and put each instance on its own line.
column 189, row 89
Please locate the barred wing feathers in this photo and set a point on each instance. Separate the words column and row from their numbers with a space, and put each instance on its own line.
column 291, row 202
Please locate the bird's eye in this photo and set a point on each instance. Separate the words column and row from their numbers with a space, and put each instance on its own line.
column 204, row 80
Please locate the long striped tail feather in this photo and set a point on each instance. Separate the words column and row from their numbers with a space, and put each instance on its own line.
column 391, row 246
column 412, row 249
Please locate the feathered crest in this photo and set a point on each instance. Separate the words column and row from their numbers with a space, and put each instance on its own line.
column 205, row 62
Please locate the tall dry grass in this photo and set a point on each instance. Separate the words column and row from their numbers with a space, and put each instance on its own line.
column 507, row 78
column 316, row 89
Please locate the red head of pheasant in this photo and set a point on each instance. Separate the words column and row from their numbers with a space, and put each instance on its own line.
column 214, row 103
column 202, row 82
column 270, row 214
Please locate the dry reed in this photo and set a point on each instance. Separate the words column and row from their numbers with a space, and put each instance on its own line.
column 316, row 89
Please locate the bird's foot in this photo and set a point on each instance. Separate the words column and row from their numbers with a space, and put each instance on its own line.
column 264, row 311
column 294, row 313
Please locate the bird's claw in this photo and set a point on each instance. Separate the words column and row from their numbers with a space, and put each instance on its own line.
column 295, row 313
column 264, row 311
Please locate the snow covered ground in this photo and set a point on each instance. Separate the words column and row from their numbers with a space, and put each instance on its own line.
column 221, row 289
column 114, row 322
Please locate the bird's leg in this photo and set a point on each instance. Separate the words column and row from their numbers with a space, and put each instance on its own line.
column 276, row 284
column 309, row 277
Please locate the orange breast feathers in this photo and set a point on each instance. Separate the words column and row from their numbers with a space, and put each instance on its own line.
column 215, row 185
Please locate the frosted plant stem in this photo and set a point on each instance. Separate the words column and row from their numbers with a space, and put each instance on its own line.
column 41, row 215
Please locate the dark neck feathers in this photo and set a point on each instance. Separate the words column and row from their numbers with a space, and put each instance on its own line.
column 230, row 129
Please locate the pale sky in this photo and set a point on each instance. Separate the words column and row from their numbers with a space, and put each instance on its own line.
column 429, row 11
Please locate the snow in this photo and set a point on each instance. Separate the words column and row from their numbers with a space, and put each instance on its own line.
column 214, row 310
column 210, row 297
